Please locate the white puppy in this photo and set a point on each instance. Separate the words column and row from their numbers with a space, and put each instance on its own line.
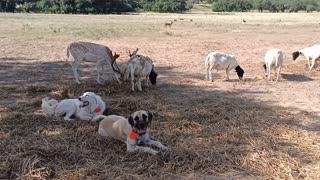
column 133, row 131
column 84, row 108
column 99, row 105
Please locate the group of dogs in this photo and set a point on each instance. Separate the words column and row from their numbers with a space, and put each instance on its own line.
column 134, row 130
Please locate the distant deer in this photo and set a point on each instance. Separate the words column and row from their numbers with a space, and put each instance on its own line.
column 168, row 24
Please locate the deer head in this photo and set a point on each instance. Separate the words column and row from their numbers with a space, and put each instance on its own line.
column 133, row 53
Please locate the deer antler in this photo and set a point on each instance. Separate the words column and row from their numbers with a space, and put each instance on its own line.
column 133, row 53
column 114, row 58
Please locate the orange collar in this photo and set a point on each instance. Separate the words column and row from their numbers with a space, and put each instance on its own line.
column 97, row 110
column 133, row 135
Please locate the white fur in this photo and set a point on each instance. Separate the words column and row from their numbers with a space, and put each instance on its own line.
column 219, row 61
column 100, row 103
column 90, row 52
column 138, row 67
column 274, row 57
column 83, row 109
column 311, row 53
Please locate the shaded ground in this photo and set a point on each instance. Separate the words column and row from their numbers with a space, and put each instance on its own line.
column 238, row 129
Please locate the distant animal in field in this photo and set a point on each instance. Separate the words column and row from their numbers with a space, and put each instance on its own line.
column 168, row 24
column 310, row 53
column 221, row 61
column 91, row 52
column 274, row 57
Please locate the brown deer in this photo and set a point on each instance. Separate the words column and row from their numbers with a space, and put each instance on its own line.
column 168, row 24
column 91, row 52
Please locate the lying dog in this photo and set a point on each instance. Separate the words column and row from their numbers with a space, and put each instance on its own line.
column 84, row 108
column 132, row 131
column 99, row 105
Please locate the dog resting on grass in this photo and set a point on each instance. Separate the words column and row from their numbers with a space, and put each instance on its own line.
column 84, row 108
column 132, row 131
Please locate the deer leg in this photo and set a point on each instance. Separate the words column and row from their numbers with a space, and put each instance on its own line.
column 99, row 66
column 75, row 65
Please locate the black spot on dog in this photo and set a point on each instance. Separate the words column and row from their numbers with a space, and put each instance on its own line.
column 153, row 77
column 73, row 116
column 240, row 72
column 295, row 55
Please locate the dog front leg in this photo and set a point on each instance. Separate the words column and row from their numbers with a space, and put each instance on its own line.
column 142, row 149
column 156, row 143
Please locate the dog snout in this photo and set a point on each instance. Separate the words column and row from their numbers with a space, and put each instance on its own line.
column 79, row 98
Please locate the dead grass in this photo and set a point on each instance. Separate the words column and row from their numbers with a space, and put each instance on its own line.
column 223, row 130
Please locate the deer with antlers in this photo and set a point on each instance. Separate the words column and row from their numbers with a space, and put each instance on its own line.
column 140, row 67
column 168, row 24
column 91, row 52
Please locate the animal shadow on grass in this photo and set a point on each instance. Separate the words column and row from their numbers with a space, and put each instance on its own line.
column 296, row 77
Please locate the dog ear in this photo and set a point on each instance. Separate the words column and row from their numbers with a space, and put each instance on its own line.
column 130, row 120
column 150, row 116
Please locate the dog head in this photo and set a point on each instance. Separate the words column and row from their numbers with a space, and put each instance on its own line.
column 295, row 55
column 153, row 76
column 49, row 105
column 140, row 121
column 89, row 100
column 240, row 72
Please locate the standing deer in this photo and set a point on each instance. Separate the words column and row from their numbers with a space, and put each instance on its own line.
column 168, row 24
column 91, row 52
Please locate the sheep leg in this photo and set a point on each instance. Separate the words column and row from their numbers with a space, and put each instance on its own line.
column 227, row 74
column 75, row 65
column 269, row 69
column 313, row 62
column 210, row 73
column 278, row 72
column 132, row 81
column 139, row 83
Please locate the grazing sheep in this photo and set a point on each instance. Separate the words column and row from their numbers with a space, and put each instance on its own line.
column 90, row 52
column 222, row 61
column 274, row 57
column 140, row 67
column 312, row 53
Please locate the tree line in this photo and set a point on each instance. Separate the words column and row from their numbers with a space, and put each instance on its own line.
column 91, row 6
column 119, row 6
column 265, row 5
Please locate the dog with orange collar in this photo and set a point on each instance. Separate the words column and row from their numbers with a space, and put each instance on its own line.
column 133, row 131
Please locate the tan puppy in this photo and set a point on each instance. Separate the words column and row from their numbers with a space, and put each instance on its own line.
column 132, row 131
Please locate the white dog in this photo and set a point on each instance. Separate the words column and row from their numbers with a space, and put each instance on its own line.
column 84, row 108
column 132, row 131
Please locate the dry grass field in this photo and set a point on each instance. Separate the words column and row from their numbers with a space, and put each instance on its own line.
column 249, row 129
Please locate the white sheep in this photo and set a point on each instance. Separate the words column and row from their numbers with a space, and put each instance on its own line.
column 222, row 61
column 274, row 57
column 312, row 53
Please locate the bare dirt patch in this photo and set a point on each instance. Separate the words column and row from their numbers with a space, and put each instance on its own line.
column 222, row 130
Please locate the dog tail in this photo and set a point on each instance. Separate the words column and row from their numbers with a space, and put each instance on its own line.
column 98, row 118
